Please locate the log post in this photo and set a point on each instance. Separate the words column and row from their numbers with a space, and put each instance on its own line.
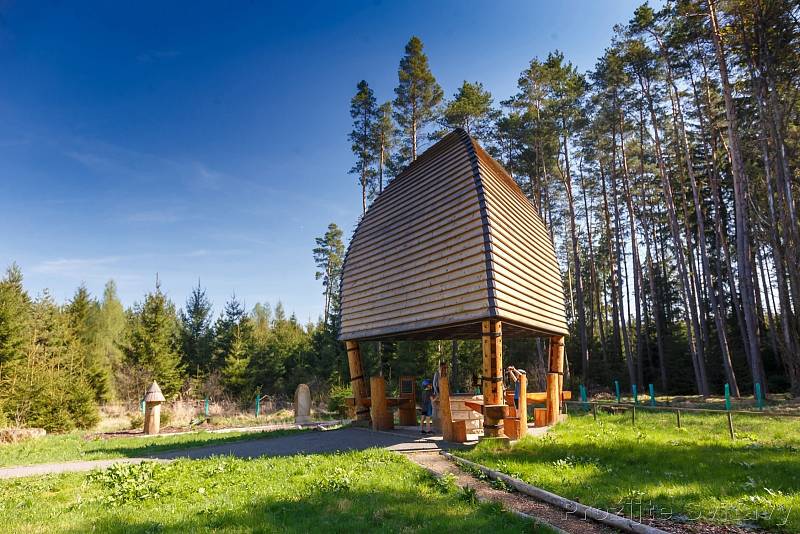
column 445, row 413
column 381, row 417
column 555, row 379
column 492, row 344
column 357, row 382
column 522, row 410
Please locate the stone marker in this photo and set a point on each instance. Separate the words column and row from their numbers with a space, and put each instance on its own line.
column 152, row 409
column 302, row 404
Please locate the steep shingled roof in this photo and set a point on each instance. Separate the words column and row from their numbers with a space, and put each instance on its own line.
column 451, row 241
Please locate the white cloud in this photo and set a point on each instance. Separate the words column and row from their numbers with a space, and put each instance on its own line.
column 71, row 266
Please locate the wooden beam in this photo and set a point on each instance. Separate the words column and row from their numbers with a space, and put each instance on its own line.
column 492, row 344
column 357, row 382
column 555, row 379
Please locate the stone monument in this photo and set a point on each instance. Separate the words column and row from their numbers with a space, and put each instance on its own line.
column 302, row 404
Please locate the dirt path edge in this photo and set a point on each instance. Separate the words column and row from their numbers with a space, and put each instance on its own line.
column 607, row 518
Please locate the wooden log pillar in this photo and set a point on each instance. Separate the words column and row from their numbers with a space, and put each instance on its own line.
column 152, row 409
column 357, row 382
column 522, row 409
column 492, row 344
column 152, row 417
column 555, row 379
column 381, row 416
column 445, row 413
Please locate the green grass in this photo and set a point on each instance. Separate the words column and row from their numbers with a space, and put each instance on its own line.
column 688, row 473
column 369, row 491
column 81, row 446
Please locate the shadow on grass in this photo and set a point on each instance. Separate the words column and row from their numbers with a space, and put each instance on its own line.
column 297, row 442
column 154, row 449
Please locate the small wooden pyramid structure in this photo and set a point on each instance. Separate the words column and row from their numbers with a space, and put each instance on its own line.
column 153, row 393
column 452, row 248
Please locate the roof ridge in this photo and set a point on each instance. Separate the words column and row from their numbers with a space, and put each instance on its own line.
column 473, row 154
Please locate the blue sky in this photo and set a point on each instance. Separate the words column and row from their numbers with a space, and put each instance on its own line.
column 209, row 140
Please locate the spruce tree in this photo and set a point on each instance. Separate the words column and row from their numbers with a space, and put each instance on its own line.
column 82, row 312
column 225, row 330
column 152, row 343
column 196, row 333
column 14, row 317
column 418, row 96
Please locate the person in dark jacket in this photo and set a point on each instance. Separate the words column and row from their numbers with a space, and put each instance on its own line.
column 427, row 407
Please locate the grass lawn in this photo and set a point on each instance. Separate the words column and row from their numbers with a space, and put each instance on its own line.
column 369, row 491
column 695, row 472
column 76, row 446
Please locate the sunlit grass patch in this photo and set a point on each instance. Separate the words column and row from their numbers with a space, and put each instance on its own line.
column 695, row 472
column 373, row 490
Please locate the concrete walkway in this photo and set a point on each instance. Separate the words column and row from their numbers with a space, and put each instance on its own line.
column 404, row 440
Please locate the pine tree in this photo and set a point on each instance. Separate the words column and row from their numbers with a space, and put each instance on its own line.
column 384, row 141
column 365, row 117
column 471, row 110
column 418, row 96
column 329, row 257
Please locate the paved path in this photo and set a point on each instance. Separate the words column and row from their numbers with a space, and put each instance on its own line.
column 344, row 439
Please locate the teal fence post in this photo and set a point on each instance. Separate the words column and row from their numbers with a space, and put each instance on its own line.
column 258, row 405
column 583, row 397
column 728, row 397
column 635, row 395
column 205, row 407
column 652, row 396
column 759, row 400
column 616, row 388
column 141, row 405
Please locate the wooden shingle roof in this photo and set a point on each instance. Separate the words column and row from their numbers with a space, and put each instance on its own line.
column 450, row 242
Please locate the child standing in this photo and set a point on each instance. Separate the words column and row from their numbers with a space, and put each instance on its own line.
column 427, row 407
column 513, row 375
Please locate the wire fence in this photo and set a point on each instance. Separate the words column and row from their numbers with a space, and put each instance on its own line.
column 624, row 408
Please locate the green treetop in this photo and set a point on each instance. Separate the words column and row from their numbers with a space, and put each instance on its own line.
column 365, row 115
column 471, row 110
column 418, row 96
column 329, row 257
column 153, row 341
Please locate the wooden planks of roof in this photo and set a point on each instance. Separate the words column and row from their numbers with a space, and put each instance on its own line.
column 452, row 241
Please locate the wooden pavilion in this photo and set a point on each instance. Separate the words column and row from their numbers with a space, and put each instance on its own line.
column 453, row 249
